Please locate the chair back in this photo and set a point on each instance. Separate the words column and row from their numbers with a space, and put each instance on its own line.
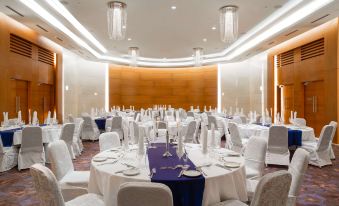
column 334, row 124
column 297, row 168
column 236, row 119
column 190, row 114
column 87, row 126
column 67, row 132
column 31, row 139
column 135, row 132
column 46, row 186
column 144, row 194
column 278, row 139
column 189, row 136
column 300, row 121
column 196, row 134
column 117, row 123
column 108, row 140
column 243, row 119
column 70, row 118
column 325, row 138
column 211, row 120
column 161, row 125
column 235, row 134
column 61, row 161
column 255, row 154
column 272, row 189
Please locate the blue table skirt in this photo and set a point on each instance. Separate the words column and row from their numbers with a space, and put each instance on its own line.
column 7, row 137
column 294, row 137
column 101, row 122
column 186, row 191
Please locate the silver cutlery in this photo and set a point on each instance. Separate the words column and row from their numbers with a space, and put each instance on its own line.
column 128, row 165
column 221, row 166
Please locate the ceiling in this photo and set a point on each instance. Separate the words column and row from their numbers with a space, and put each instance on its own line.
column 163, row 34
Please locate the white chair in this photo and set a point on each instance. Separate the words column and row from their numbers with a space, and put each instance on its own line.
column 320, row 153
column 190, row 114
column 190, row 132
column 8, row 157
column 67, row 133
column 90, row 130
column 108, row 124
column 298, row 169
column 72, row 183
column 277, row 148
column 161, row 129
column 300, row 122
column 237, row 143
column 144, row 194
column 49, row 192
column 71, row 119
column 109, row 140
column 254, row 155
column 236, row 119
column 212, row 120
column 334, row 124
column 117, row 126
column 31, row 150
column 196, row 134
column 272, row 190
column 135, row 132
column 77, row 142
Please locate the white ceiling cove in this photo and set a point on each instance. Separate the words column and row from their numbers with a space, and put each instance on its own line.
column 166, row 37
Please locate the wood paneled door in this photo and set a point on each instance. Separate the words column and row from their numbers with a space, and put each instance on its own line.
column 287, row 92
column 314, row 105
column 19, row 99
column 43, row 100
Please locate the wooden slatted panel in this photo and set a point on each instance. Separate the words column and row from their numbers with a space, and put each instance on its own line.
column 20, row 46
column 285, row 58
column 45, row 56
column 313, row 49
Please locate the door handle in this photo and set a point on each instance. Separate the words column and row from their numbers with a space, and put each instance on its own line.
column 19, row 105
column 16, row 104
column 315, row 104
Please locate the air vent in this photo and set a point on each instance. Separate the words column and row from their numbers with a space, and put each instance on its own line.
column 15, row 11
column 285, row 58
column 20, row 46
column 313, row 49
column 320, row 18
column 42, row 28
column 45, row 56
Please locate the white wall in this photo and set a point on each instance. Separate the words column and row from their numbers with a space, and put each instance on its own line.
column 241, row 83
column 86, row 84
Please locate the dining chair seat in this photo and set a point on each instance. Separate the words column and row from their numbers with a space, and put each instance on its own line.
column 87, row 200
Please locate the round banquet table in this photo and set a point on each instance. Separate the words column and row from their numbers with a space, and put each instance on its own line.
column 220, row 184
column 49, row 134
column 249, row 130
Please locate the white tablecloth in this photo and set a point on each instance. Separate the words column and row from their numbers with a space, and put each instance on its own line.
column 49, row 134
column 220, row 184
column 249, row 130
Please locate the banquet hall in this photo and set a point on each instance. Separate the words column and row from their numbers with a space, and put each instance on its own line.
column 169, row 103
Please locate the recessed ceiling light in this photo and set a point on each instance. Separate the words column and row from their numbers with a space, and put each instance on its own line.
column 204, row 39
column 173, row 7
column 214, row 28
column 129, row 39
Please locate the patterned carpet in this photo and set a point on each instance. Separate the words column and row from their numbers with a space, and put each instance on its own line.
column 320, row 186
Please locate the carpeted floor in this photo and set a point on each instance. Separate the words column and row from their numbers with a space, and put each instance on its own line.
column 320, row 186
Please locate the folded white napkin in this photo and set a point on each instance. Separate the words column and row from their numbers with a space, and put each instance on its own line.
column 35, row 118
column 141, row 146
column 48, row 121
column 19, row 117
column 180, row 145
column 213, row 136
column 204, row 138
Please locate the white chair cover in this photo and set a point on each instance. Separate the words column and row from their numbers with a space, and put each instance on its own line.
column 161, row 129
column 334, row 124
column 32, row 150
column 300, row 122
column 117, row 126
column 72, row 183
column 90, row 130
column 237, row 143
column 211, row 120
column 67, row 133
column 49, row 193
column 196, row 134
column 297, row 168
column 277, row 149
column 254, row 155
column 109, row 140
column 144, row 194
column 190, row 132
column 320, row 154
column 77, row 142
column 135, row 133
column 8, row 157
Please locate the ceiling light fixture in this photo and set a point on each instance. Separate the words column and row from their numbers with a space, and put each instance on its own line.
column 116, row 19
column 228, row 23
column 133, row 53
column 204, row 40
column 173, row 7
column 198, row 53
column 57, row 6
column 214, row 28
column 129, row 39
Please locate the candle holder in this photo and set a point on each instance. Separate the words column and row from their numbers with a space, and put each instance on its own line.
column 167, row 153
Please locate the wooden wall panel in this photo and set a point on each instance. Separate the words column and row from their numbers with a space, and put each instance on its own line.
column 178, row 87
column 320, row 68
column 37, row 74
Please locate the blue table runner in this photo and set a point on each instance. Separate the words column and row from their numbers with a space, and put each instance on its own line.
column 101, row 122
column 294, row 137
column 186, row 191
column 7, row 137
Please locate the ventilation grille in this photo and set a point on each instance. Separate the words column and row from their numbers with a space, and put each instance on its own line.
column 45, row 56
column 313, row 49
column 285, row 58
column 20, row 46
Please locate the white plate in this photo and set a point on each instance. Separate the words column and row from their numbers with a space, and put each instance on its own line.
column 99, row 159
column 191, row 173
column 131, row 172
column 116, row 149
column 233, row 154
column 232, row 164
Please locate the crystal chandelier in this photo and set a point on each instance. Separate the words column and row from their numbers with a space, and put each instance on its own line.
column 228, row 23
column 198, row 52
column 133, row 53
column 116, row 19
